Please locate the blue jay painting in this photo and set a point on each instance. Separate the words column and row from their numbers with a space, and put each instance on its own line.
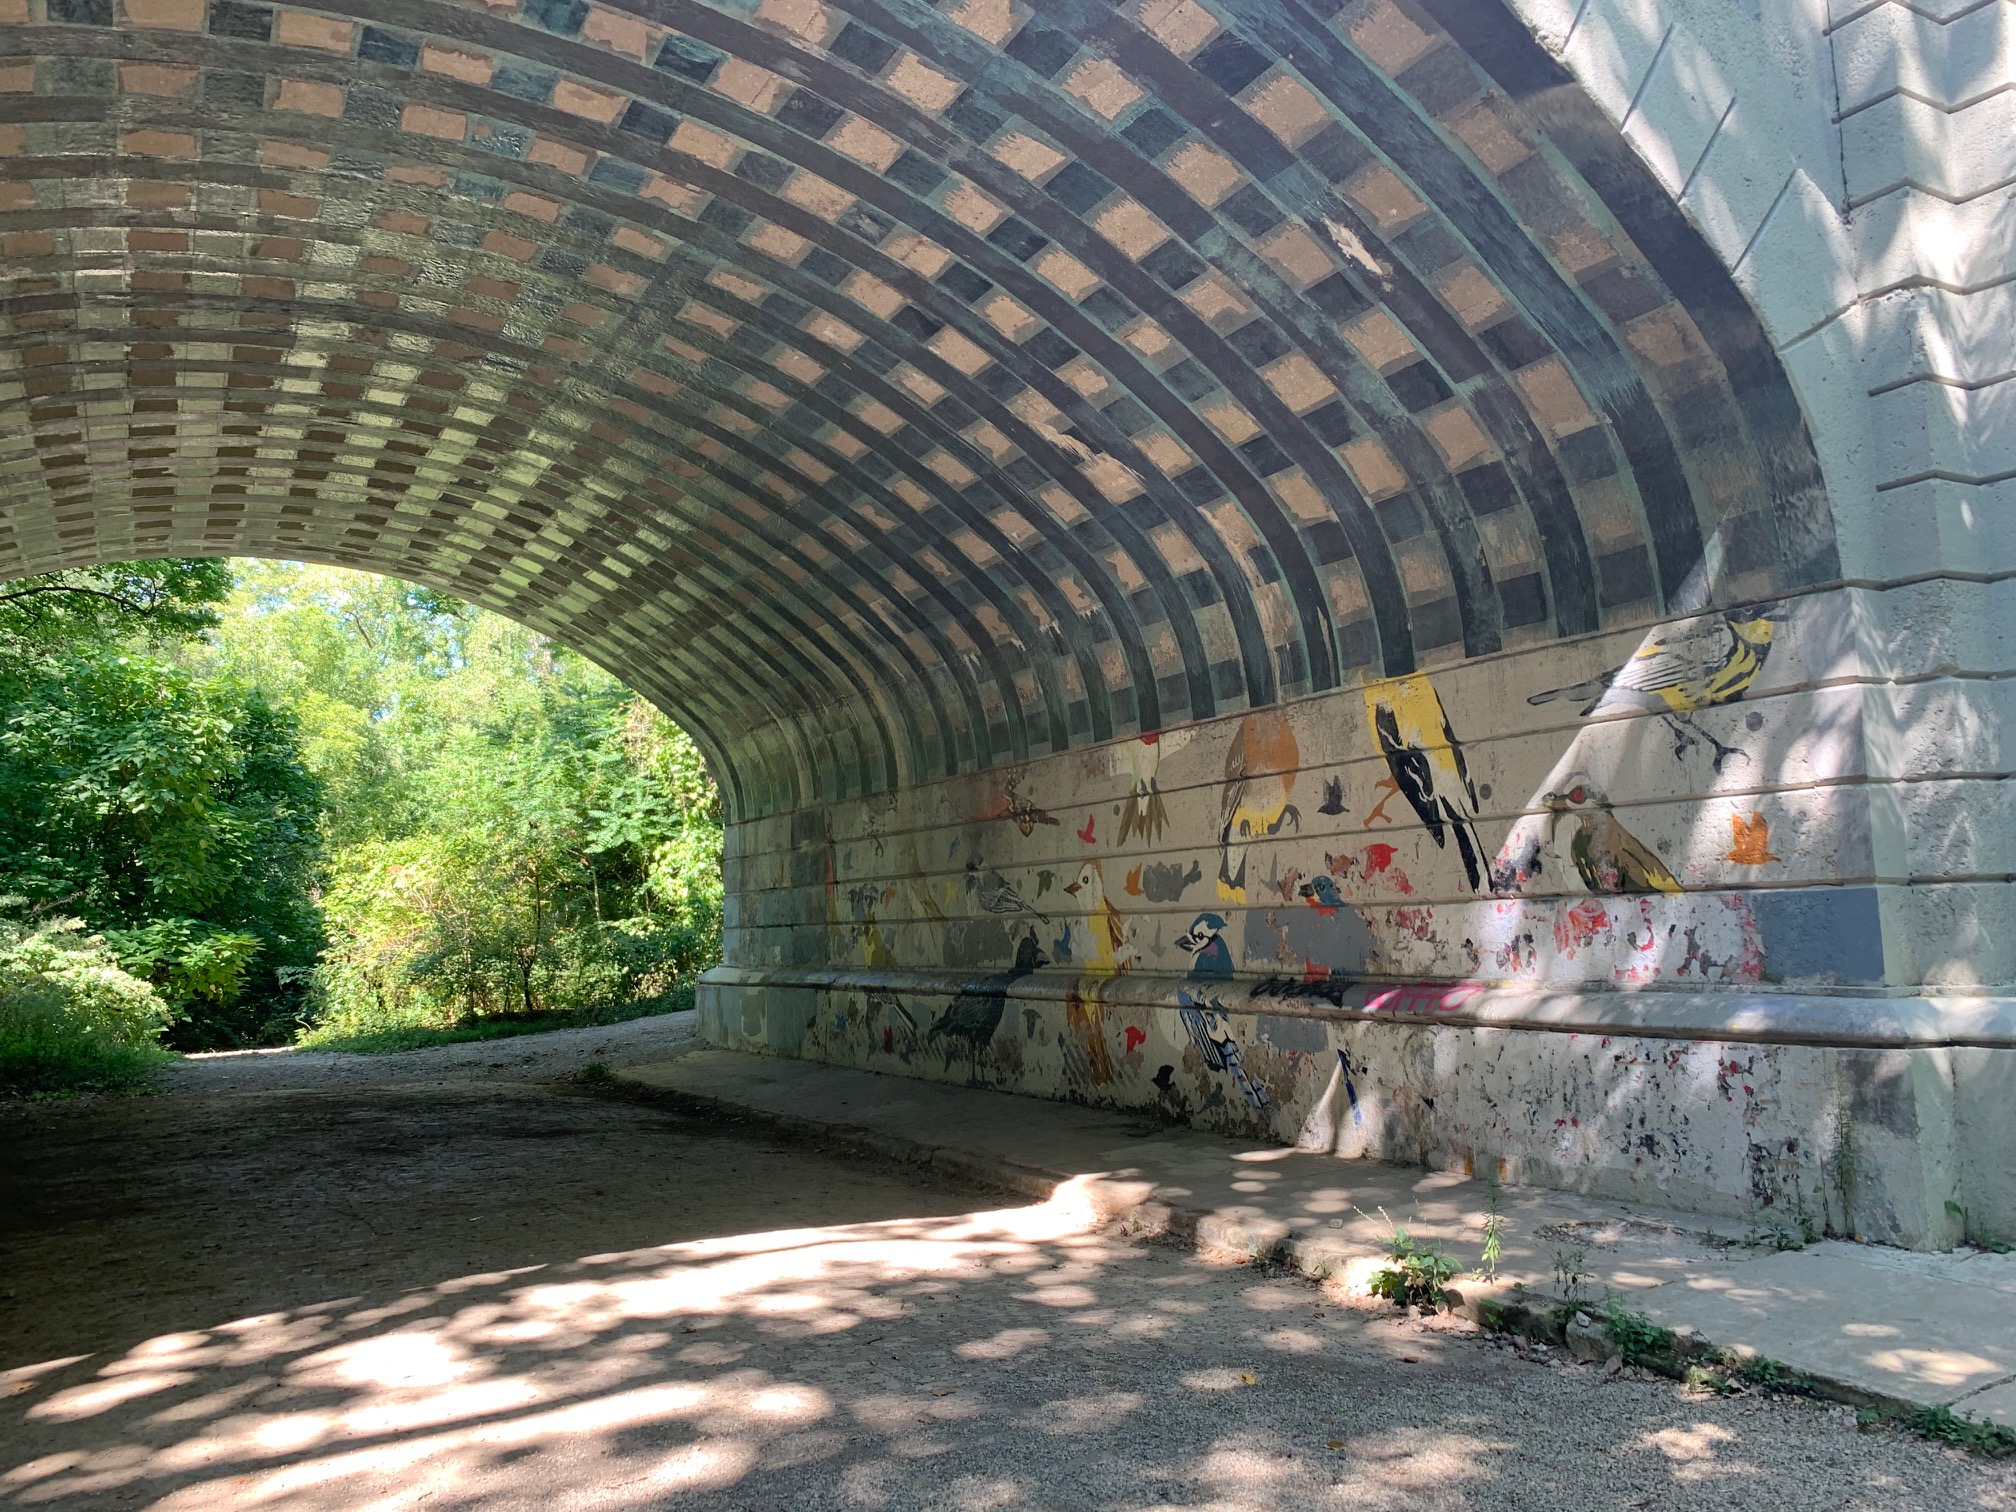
column 1204, row 1020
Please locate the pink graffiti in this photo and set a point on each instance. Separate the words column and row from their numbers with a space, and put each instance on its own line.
column 1423, row 997
column 1378, row 858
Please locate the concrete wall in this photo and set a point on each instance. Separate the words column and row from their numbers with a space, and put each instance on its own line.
column 1775, row 985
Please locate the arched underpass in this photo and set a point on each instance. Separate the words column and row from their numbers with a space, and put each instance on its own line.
column 1145, row 508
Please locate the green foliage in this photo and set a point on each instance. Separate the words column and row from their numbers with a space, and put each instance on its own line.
column 1494, row 1229
column 222, row 777
column 70, row 1016
column 1943, row 1425
column 1416, row 1272
column 511, row 835
column 1636, row 1337
column 164, row 804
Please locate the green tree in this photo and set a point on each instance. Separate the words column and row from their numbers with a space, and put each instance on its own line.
column 510, row 832
column 165, row 808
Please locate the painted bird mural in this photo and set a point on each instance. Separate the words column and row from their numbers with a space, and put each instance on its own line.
column 1425, row 766
column 974, row 1015
column 996, row 893
column 1697, row 664
column 1204, row 1020
column 1108, row 953
column 1259, row 779
column 1607, row 856
column 1144, row 814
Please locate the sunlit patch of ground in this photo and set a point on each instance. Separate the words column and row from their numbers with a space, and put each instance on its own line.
column 879, row 1343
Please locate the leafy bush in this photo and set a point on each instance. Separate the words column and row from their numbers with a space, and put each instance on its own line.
column 70, row 1016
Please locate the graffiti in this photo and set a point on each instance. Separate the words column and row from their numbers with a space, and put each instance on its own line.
column 1518, row 863
column 1085, row 834
column 1136, row 1038
column 1750, row 840
column 972, row 1017
column 1045, row 880
column 1423, row 997
column 1607, row 856
column 1260, row 768
column 1144, row 814
column 1697, row 664
column 1425, row 766
column 1333, row 797
column 1344, row 1069
column 996, row 893
column 1331, row 990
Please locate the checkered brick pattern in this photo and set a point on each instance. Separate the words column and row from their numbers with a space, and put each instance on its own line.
column 887, row 391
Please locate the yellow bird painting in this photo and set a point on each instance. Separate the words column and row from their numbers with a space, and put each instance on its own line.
column 1109, row 952
column 1697, row 664
column 1425, row 765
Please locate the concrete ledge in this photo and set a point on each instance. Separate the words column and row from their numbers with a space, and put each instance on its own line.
column 1864, row 1324
column 1820, row 1019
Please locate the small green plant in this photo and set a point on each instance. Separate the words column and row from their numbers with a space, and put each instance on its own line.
column 595, row 1073
column 1416, row 1272
column 1775, row 1236
column 1634, row 1336
column 1732, row 1374
column 1494, row 1229
column 1572, row 1274
column 1993, row 1246
column 1767, row 1374
column 1945, row 1426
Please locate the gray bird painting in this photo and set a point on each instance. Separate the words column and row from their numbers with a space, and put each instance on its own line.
column 996, row 893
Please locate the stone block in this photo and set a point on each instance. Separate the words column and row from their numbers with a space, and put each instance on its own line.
column 1679, row 107
column 1890, row 48
column 1800, row 270
column 1901, row 142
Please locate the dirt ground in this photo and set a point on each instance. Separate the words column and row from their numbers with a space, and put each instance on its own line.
column 449, row 1279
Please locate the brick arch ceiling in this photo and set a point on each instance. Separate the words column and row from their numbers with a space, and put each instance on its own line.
column 887, row 391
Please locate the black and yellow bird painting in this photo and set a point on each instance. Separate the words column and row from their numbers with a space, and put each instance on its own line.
column 1697, row 664
column 1607, row 856
column 1425, row 765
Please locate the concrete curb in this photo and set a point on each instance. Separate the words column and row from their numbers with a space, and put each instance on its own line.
column 1141, row 1208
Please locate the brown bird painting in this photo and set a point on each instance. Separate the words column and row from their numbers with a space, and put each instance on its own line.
column 1607, row 856
column 1259, row 777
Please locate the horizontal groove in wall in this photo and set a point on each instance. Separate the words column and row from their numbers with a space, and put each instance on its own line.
column 1843, row 1019
column 1944, row 107
column 1899, row 186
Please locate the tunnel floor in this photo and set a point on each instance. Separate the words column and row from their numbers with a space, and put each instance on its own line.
column 469, row 1288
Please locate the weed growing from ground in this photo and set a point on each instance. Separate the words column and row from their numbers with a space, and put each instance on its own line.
column 1416, row 1272
column 1945, row 1426
column 1494, row 1229
column 1571, row 1274
column 1634, row 1336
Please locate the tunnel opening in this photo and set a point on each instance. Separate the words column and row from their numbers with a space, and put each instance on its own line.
column 1321, row 482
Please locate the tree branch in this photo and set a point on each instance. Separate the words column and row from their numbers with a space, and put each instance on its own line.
column 129, row 605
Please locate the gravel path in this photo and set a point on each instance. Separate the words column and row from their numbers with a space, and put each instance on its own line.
column 454, row 1287
column 528, row 1057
